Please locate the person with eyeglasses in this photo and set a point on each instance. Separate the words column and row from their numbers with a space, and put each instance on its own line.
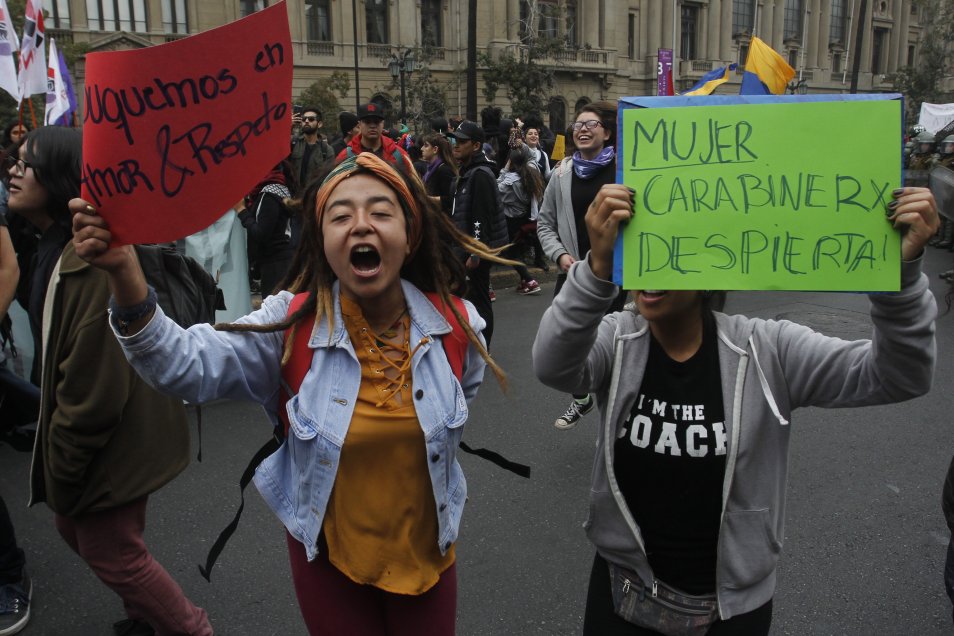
column 573, row 186
column 37, row 188
column 310, row 150
column 105, row 439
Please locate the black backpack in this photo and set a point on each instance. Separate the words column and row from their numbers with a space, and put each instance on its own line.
column 187, row 293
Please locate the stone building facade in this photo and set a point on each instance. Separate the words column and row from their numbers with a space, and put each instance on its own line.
column 610, row 45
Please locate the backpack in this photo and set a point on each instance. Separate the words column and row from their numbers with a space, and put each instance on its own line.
column 187, row 293
column 514, row 199
column 293, row 373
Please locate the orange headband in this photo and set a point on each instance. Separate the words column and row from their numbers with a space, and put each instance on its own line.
column 384, row 171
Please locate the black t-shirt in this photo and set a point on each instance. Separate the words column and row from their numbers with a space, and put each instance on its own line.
column 582, row 193
column 670, row 463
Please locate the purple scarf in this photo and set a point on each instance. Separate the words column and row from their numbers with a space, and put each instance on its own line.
column 432, row 167
column 586, row 168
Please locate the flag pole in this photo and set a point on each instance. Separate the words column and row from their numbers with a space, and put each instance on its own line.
column 32, row 112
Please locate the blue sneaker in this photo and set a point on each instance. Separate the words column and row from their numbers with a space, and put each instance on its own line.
column 15, row 605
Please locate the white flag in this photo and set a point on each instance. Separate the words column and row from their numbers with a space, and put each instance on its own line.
column 32, row 78
column 57, row 100
column 9, row 43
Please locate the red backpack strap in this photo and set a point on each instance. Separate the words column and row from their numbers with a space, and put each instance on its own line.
column 455, row 342
column 294, row 371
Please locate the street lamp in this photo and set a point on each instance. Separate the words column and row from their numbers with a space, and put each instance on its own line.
column 398, row 65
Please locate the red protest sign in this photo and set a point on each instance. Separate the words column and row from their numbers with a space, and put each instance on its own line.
column 176, row 134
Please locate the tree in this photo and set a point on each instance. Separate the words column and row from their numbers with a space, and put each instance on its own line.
column 427, row 96
column 921, row 82
column 321, row 95
column 526, row 72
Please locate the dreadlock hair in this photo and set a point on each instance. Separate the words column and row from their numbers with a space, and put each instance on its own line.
column 433, row 266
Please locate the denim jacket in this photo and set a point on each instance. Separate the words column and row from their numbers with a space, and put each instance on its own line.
column 201, row 364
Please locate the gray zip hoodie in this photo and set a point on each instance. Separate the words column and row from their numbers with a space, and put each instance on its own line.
column 769, row 368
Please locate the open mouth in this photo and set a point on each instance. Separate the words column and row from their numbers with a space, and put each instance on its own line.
column 365, row 259
column 652, row 294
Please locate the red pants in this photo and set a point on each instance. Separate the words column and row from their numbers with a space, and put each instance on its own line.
column 110, row 541
column 331, row 603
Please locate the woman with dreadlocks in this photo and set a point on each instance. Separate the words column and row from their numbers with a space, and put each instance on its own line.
column 367, row 482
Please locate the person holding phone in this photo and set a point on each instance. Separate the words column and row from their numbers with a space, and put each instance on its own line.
column 310, row 150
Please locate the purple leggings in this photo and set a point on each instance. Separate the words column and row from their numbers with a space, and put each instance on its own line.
column 110, row 541
column 331, row 603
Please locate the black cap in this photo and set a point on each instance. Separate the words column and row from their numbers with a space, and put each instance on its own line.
column 370, row 111
column 347, row 120
column 468, row 131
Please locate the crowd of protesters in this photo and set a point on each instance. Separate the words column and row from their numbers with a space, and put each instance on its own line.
column 372, row 251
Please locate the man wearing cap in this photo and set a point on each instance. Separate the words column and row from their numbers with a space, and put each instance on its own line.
column 477, row 214
column 371, row 138
column 348, row 125
column 309, row 150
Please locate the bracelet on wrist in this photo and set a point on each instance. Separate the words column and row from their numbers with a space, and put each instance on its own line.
column 126, row 315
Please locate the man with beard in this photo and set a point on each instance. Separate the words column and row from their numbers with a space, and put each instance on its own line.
column 309, row 150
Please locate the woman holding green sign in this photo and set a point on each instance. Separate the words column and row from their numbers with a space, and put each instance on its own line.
column 688, row 493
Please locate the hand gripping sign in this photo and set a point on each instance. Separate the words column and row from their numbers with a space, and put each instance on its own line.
column 175, row 134
column 767, row 192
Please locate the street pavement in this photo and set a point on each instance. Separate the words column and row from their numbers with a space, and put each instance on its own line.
column 864, row 544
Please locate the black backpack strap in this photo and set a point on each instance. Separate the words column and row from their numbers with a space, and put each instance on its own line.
column 496, row 458
column 267, row 449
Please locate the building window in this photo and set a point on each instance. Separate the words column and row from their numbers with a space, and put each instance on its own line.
column 248, row 7
column 569, row 9
column 743, row 17
column 910, row 55
column 793, row 20
column 633, row 25
column 839, row 21
column 59, row 15
column 376, row 21
column 743, row 54
column 318, row 19
column 793, row 58
column 836, row 62
column 878, row 51
column 690, row 26
column 550, row 19
column 117, row 15
column 174, row 19
column 431, row 32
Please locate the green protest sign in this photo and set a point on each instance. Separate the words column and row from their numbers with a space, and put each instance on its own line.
column 775, row 193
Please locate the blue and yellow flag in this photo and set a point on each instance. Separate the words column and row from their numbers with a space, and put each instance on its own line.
column 708, row 82
column 766, row 72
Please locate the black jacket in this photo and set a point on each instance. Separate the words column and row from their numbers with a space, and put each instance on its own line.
column 442, row 183
column 477, row 210
column 268, row 225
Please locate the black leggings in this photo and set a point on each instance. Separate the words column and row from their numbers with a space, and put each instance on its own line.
column 601, row 618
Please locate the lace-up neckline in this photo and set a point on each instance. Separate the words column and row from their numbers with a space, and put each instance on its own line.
column 388, row 352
